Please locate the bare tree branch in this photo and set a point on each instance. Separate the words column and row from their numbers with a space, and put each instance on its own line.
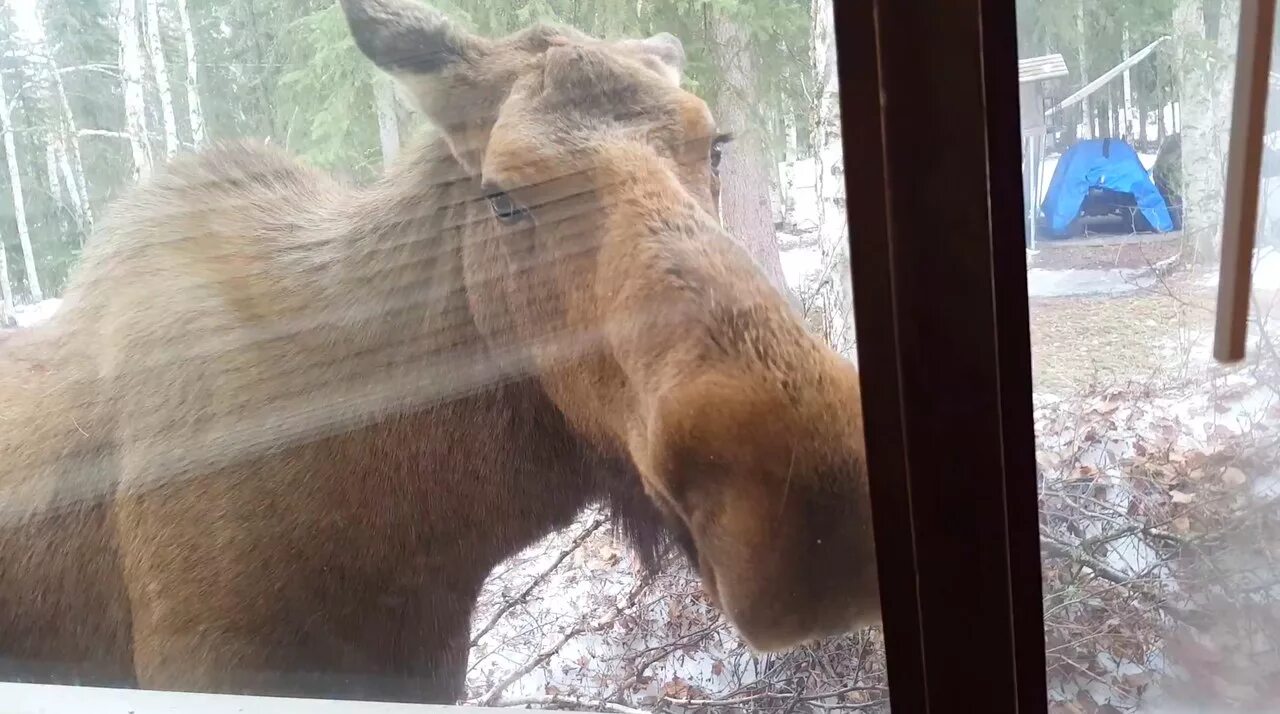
column 102, row 132
column 617, row 611
column 561, row 701
column 523, row 597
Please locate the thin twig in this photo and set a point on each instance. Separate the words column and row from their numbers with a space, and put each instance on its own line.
column 1055, row 547
column 616, row 612
column 776, row 695
column 102, row 132
column 561, row 701
column 539, row 579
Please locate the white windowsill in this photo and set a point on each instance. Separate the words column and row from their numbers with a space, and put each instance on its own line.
column 53, row 699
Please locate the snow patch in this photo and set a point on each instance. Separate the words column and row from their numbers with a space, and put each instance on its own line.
column 1266, row 271
column 799, row 264
column 1067, row 283
column 30, row 315
column 582, row 592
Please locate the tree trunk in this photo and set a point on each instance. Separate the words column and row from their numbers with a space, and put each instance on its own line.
column 1082, row 61
column 131, row 73
column 62, row 137
column 744, row 172
column 19, row 204
column 51, row 170
column 784, row 180
column 73, row 179
column 1127, row 117
column 1160, row 110
column 834, row 295
column 6, row 289
column 1204, row 114
column 1113, row 114
column 792, row 134
column 388, row 123
column 160, row 69
column 195, row 114
column 1143, row 137
column 19, row 210
column 71, row 163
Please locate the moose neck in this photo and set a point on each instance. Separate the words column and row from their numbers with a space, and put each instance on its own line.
column 405, row 242
column 387, row 256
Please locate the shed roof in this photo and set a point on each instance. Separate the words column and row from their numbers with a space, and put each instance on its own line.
column 1038, row 69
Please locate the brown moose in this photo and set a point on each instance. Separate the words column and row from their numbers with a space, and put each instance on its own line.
column 282, row 429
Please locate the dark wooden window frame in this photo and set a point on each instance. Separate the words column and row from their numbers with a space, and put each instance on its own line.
column 929, row 101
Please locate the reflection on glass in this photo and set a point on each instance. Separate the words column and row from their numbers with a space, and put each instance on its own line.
column 1157, row 466
column 552, row 403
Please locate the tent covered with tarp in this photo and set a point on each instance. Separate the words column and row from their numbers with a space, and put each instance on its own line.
column 1108, row 166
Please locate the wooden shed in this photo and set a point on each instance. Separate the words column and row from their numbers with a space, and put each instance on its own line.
column 1036, row 76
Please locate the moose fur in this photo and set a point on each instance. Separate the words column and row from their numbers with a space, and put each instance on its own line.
column 283, row 428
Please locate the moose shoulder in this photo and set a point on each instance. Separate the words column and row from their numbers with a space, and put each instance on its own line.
column 282, row 429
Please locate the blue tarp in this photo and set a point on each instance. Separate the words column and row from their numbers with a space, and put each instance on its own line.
column 1101, row 163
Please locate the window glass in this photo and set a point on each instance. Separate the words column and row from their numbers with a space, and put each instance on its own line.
column 366, row 350
column 1156, row 465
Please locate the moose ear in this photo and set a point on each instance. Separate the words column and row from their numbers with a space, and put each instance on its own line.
column 405, row 36
column 667, row 49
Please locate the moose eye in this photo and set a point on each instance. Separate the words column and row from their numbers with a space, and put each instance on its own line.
column 507, row 211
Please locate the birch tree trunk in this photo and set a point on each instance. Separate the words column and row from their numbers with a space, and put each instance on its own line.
column 160, row 69
column 388, row 121
column 1127, row 120
column 6, row 290
column 62, row 137
column 195, row 114
column 19, row 204
column 131, row 73
column 785, row 180
column 73, row 177
column 835, row 282
column 1142, row 119
column 70, row 163
column 1204, row 112
column 1086, row 106
column 744, row 174
column 51, row 168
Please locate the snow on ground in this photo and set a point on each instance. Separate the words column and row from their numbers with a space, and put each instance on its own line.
column 1069, row 283
column 1266, row 271
column 28, row 315
column 583, row 590
column 800, row 189
column 800, row 263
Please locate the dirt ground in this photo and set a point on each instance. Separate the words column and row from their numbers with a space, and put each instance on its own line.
column 1105, row 252
column 1146, row 336
column 1150, row 335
